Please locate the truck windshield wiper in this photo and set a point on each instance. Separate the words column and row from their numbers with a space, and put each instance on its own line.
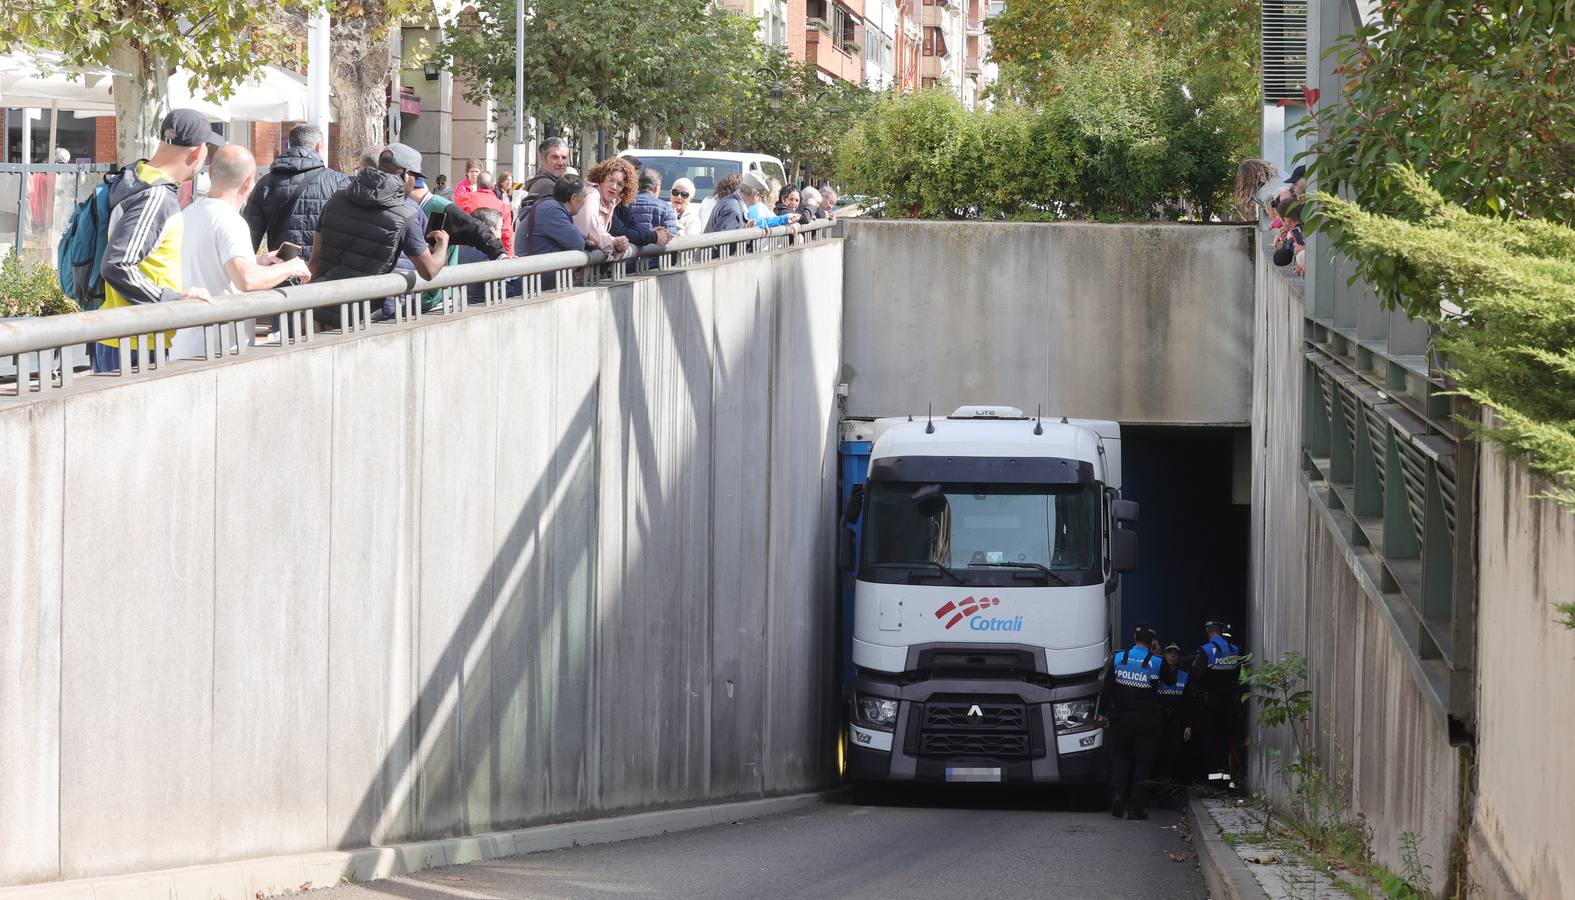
column 1039, row 567
column 932, row 564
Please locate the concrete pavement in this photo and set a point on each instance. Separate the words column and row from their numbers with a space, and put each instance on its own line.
column 938, row 844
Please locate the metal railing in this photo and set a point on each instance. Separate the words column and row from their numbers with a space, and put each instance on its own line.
column 36, row 201
column 46, row 351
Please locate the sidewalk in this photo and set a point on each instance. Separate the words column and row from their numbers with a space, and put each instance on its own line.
column 1240, row 862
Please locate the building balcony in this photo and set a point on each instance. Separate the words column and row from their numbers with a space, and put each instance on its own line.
column 830, row 59
column 972, row 66
column 932, row 17
column 935, row 67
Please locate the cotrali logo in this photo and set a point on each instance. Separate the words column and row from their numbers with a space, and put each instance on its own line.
column 960, row 611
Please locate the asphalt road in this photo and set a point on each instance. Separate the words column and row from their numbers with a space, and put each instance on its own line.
column 940, row 844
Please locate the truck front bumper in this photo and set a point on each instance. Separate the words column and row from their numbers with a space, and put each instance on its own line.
column 975, row 730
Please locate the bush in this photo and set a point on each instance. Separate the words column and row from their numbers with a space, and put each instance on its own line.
column 1509, row 339
column 1127, row 136
column 31, row 291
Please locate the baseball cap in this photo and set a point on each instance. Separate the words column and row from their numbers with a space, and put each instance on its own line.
column 188, row 128
column 404, row 156
column 1296, row 174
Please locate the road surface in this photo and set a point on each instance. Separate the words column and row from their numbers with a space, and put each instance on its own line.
column 940, row 844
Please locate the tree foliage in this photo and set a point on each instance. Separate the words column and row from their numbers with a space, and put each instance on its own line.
column 657, row 66
column 220, row 42
column 1479, row 98
column 782, row 107
column 1502, row 293
column 1129, row 134
column 1215, row 39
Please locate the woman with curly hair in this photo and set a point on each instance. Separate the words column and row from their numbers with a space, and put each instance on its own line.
column 609, row 184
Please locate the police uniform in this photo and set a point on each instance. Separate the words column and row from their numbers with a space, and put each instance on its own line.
column 1129, row 699
column 1176, row 701
column 1216, row 673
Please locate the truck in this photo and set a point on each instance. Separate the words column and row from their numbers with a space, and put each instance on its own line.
column 981, row 555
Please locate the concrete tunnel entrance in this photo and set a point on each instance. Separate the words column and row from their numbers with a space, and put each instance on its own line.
column 1194, row 488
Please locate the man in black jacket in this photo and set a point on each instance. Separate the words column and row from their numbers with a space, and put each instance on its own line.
column 287, row 202
column 368, row 226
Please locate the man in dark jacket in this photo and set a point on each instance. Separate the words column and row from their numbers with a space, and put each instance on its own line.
column 287, row 202
column 549, row 226
column 365, row 228
column 554, row 161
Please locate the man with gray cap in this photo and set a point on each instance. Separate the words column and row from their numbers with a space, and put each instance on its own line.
column 142, row 259
column 373, row 225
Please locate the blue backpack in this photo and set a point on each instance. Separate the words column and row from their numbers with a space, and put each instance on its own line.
column 80, row 253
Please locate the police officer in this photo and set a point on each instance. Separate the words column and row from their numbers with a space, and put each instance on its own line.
column 1216, row 675
column 1129, row 710
column 1176, row 714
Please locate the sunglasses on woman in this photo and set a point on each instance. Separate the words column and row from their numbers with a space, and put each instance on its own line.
column 684, row 194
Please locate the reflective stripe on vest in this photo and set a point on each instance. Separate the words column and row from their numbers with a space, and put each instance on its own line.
column 1221, row 654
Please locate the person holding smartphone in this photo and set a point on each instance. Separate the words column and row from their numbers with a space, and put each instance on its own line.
column 374, row 227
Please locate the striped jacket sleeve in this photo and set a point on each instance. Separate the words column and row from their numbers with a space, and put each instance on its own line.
column 136, row 228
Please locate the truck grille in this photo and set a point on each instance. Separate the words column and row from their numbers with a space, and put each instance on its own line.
column 995, row 717
column 1000, row 730
column 974, row 745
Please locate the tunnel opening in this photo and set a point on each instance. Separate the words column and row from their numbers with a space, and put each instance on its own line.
column 1194, row 486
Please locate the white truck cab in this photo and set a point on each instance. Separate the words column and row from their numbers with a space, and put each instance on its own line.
column 985, row 549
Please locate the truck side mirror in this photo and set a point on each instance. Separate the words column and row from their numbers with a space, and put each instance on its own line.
column 847, row 549
column 1126, row 511
column 855, row 507
column 1124, row 553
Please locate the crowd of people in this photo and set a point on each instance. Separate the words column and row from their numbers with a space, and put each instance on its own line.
column 1171, row 723
column 305, row 222
column 1260, row 191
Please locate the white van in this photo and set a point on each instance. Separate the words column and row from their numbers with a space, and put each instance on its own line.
column 704, row 168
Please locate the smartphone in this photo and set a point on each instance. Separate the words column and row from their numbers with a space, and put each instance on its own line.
column 436, row 221
column 288, row 251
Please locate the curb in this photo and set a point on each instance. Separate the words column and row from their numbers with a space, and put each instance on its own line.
column 254, row 879
column 1225, row 874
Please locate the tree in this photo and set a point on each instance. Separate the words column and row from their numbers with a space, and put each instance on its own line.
column 1129, row 134
column 1479, row 98
column 360, row 68
column 1508, row 333
column 1212, row 38
column 220, row 42
column 781, row 107
column 659, row 66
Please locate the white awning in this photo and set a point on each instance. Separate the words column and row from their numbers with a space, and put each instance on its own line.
column 42, row 81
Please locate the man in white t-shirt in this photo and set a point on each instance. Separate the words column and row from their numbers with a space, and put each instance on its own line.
column 217, row 251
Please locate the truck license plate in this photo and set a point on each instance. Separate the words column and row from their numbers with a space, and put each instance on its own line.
column 960, row 773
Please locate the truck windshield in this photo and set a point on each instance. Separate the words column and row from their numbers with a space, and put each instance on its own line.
column 913, row 525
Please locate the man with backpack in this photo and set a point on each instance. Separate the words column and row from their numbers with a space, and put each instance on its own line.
column 142, row 240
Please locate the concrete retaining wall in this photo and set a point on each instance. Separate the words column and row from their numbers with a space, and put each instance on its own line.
column 1523, row 826
column 1385, row 746
column 1140, row 323
column 531, row 564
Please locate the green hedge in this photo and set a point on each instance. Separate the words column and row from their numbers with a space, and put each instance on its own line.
column 1128, row 137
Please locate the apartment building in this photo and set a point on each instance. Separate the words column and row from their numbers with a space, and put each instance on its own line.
column 772, row 16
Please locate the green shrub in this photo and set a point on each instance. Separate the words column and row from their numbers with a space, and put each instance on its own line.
column 1128, row 135
column 1508, row 339
column 31, row 291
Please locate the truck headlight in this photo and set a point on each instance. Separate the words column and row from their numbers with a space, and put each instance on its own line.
column 876, row 711
column 1074, row 715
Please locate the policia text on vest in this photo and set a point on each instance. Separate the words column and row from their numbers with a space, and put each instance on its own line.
column 1130, row 707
